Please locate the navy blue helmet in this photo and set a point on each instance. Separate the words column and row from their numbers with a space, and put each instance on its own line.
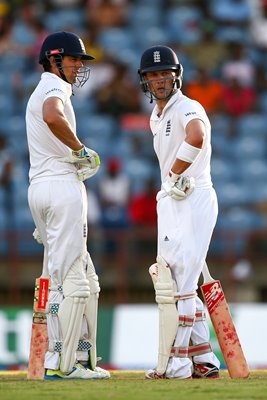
column 160, row 58
column 64, row 44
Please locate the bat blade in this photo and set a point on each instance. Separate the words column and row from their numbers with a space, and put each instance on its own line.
column 39, row 337
column 224, row 329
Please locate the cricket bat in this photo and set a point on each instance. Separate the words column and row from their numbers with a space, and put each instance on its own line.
column 223, row 326
column 39, row 337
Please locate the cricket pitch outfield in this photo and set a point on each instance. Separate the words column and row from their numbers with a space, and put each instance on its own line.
column 131, row 385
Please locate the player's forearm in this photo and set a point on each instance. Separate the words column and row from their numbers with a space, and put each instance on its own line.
column 179, row 166
column 190, row 148
column 63, row 131
column 55, row 118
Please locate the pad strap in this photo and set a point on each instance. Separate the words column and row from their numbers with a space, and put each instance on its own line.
column 199, row 349
column 200, row 316
column 181, row 352
column 185, row 296
column 186, row 320
column 56, row 345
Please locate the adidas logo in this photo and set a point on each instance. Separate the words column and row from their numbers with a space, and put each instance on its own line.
column 166, row 239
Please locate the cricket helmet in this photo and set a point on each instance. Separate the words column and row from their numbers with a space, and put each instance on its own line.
column 64, row 44
column 160, row 58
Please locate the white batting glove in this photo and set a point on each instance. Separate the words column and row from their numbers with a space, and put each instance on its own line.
column 37, row 236
column 84, row 156
column 178, row 187
column 84, row 173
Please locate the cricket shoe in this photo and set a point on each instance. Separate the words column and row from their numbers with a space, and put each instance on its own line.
column 153, row 374
column 78, row 372
column 205, row 370
column 102, row 372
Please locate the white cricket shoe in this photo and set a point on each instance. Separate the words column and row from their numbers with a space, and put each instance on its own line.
column 153, row 374
column 78, row 372
column 102, row 372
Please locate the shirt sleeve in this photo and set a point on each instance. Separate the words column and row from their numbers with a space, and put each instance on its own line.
column 189, row 110
column 56, row 90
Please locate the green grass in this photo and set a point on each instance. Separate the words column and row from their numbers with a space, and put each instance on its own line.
column 131, row 385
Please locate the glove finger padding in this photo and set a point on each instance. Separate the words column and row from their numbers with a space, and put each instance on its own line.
column 92, row 159
column 84, row 157
column 179, row 189
column 84, row 173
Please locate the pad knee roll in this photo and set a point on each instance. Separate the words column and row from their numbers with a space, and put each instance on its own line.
column 76, row 284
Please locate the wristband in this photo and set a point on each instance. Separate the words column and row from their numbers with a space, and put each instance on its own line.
column 173, row 177
column 79, row 153
column 187, row 152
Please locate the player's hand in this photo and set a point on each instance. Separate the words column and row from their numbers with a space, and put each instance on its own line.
column 37, row 236
column 84, row 173
column 178, row 187
column 85, row 156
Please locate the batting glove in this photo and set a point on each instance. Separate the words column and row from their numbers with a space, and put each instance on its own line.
column 84, row 173
column 37, row 236
column 85, row 156
column 178, row 187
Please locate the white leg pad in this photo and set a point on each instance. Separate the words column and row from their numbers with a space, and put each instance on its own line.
column 76, row 291
column 70, row 317
column 91, row 309
column 165, row 289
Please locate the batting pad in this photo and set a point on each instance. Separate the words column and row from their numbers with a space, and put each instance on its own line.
column 89, row 330
column 70, row 316
column 168, row 316
column 76, row 291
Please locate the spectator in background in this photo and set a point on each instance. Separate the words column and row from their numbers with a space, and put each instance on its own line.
column 258, row 25
column 120, row 95
column 213, row 51
column 237, row 99
column 5, row 27
column 114, row 193
column 6, row 178
column 206, row 90
column 142, row 206
column 238, row 65
column 106, row 13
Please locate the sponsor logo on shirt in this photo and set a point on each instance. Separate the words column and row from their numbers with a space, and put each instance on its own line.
column 190, row 113
column 54, row 90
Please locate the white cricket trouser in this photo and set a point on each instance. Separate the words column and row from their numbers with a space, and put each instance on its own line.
column 184, row 232
column 59, row 210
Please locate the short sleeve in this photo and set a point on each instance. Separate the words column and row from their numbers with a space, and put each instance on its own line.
column 189, row 110
column 56, row 90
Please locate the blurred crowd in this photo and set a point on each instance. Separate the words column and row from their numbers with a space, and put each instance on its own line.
column 222, row 46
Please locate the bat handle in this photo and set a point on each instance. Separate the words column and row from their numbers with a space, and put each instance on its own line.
column 206, row 274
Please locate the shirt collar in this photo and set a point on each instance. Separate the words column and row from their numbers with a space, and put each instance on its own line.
column 172, row 100
column 62, row 82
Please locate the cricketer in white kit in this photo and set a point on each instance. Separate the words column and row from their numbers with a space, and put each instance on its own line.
column 187, row 211
column 59, row 163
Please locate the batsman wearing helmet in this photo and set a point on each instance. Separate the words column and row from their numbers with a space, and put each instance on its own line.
column 59, row 163
column 187, row 211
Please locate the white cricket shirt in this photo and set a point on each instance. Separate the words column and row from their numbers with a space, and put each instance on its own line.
column 45, row 149
column 169, row 132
